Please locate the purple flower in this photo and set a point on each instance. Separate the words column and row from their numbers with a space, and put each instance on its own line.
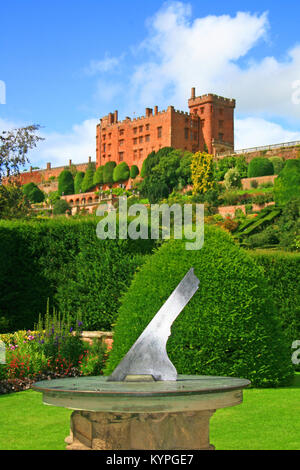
column 80, row 323
column 71, row 329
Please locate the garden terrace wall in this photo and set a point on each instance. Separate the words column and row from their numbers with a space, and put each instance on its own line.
column 230, row 210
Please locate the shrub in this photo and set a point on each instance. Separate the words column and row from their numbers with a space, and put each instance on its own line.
column 260, row 166
column 121, row 173
column 78, row 181
column 278, row 164
column 134, row 171
column 254, row 184
column 39, row 257
column 232, row 179
column 33, row 192
column 98, row 175
column 108, row 172
column 202, row 168
column 282, row 271
column 60, row 207
column 228, row 328
column 88, row 180
column 287, row 184
column 65, row 183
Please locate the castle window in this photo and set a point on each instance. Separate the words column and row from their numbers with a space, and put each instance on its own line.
column 135, row 141
column 141, row 128
column 103, row 136
column 147, row 138
column 121, row 142
column 121, row 156
column 121, row 131
column 186, row 133
column 135, row 130
column 141, row 139
column 104, row 147
column 140, row 153
column 103, row 156
column 147, row 127
column 159, row 132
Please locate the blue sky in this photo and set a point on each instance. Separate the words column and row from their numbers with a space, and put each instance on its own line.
column 65, row 64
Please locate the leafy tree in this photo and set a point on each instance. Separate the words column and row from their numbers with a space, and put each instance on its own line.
column 222, row 166
column 121, row 173
column 260, row 166
column 14, row 147
column 278, row 164
column 88, row 180
column 33, row 192
column 78, row 181
column 53, row 197
column 287, row 184
column 153, row 159
column 98, row 175
column 184, row 171
column 13, row 202
column 108, row 172
column 232, row 179
column 60, row 207
column 167, row 167
column 242, row 166
column 154, row 188
column 134, row 171
column 65, row 183
column 202, row 168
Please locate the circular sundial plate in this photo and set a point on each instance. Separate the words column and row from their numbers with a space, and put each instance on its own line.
column 188, row 393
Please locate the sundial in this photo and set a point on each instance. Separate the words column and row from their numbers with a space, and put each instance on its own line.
column 143, row 388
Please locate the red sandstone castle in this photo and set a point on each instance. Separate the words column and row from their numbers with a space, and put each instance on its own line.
column 209, row 125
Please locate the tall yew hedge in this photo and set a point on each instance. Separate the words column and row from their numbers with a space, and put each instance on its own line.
column 230, row 326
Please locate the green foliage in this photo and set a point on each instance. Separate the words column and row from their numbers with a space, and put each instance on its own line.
column 98, row 175
column 13, row 203
column 33, row 192
column 282, row 271
column 121, row 173
column 232, row 179
column 254, row 184
column 287, row 184
column 65, row 183
column 229, row 327
column 241, row 166
column 260, row 166
column 60, row 207
column 108, row 172
column 88, row 179
column 152, row 160
column 134, row 171
column 78, row 181
column 40, row 257
column 222, row 166
column 184, row 171
column 278, row 164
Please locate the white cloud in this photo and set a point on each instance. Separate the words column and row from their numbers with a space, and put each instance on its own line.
column 107, row 64
column 58, row 148
column 256, row 132
column 207, row 53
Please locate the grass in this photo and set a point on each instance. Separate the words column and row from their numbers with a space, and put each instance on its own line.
column 269, row 419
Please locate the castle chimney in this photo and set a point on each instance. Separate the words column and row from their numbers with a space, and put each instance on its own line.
column 90, row 159
column 31, row 169
column 149, row 112
column 116, row 116
column 70, row 162
column 155, row 110
column 48, row 166
column 193, row 94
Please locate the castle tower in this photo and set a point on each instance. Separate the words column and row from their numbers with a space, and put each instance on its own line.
column 216, row 115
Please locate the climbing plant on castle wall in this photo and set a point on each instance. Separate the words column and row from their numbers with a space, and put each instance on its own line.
column 202, row 168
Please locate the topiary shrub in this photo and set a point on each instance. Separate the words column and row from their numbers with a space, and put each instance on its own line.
column 287, row 184
column 260, row 166
column 78, row 181
column 33, row 192
column 229, row 328
column 278, row 164
column 108, row 172
column 60, row 207
column 98, row 175
column 134, row 171
column 65, row 183
column 88, row 180
column 121, row 173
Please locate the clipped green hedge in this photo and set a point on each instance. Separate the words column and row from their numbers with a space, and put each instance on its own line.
column 65, row 183
column 228, row 328
column 63, row 260
column 287, row 184
column 282, row 271
column 260, row 166
column 121, row 173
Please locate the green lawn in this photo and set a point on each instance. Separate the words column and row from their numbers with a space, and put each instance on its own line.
column 269, row 419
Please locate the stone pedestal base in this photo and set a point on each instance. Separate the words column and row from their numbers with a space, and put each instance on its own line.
column 140, row 431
